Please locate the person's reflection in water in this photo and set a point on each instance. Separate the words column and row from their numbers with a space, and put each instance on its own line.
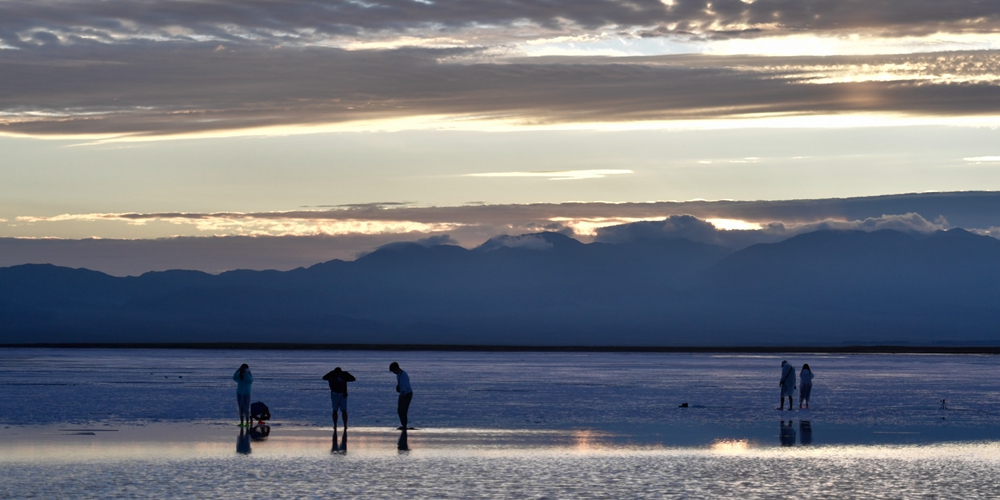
column 243, row 442
column 805, row 432
column 259, row 432
column 342, row 447
column 787, row 433
column 402, row 445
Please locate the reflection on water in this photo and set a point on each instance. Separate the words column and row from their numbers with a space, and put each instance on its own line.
column 403, row 444
column 259, row 432
column 243, row 442
column 787, row 436
column 731, row 446
column 341, row 446
column 938, row 471
column 805, row 433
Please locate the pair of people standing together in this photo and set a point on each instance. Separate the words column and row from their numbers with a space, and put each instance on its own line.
column 788, row 387
column 338, row 380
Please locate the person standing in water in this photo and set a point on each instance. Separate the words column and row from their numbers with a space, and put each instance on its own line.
column 787, row 385
column 806, row 375
column 243, row 379
column 405, row 393
column 338, row 380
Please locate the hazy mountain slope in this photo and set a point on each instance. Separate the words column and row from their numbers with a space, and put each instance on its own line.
column 823, row 287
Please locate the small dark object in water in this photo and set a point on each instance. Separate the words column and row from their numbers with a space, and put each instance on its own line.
column 684, row 405
column 943, row 405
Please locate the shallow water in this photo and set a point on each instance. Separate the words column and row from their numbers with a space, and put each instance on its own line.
column 159, row 423
column 936, row 471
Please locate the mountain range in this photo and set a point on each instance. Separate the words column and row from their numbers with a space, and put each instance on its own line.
column 826, row 287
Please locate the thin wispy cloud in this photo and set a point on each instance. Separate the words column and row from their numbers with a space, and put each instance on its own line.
column 558, row 175
column 968, row 210
column 30, row 22
column 983, row 159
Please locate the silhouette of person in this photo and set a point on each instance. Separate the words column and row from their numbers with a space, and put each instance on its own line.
column 805, row 432
column 805, row 389
column 405, row 396
column 243, row 442
column 787, row 385
column 787, row 433
column 244, row 381
column 338, row 380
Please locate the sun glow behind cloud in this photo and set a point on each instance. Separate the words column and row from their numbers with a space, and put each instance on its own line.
column 734, row 224
column 852, row 44
column 247, row 225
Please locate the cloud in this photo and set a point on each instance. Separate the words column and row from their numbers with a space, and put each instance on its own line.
column 160, row 90
column 557, row 175
column 221, row 253
column 692, row 228
column 983, row 159
column 433, row 241
column 25, row 23
column 471, row 225
column 526, row 241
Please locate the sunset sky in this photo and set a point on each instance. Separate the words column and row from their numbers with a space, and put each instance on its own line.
column 366, row 121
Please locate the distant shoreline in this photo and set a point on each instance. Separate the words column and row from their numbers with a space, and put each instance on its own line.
column 850, row 349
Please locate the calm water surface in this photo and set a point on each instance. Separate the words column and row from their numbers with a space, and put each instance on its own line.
column 159, row 423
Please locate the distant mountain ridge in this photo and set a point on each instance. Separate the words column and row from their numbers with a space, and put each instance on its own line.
column 824, row 287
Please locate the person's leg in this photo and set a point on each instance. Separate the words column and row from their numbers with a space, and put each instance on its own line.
column 243, row 400
column 333, row 403
column 781, row 402
column 343, row 410
column 403, row 408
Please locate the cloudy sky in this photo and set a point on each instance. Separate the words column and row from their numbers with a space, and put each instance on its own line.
column 249, row 127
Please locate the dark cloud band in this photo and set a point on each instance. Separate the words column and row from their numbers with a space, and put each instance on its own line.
column 181, row 88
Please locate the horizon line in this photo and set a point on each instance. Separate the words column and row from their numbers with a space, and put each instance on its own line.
column 993, row 349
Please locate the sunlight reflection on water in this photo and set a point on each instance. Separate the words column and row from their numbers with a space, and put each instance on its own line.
column 970, row 470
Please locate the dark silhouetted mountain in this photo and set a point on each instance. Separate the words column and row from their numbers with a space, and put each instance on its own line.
column 824, row 287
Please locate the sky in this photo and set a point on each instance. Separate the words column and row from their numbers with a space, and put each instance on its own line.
column 269, row 134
